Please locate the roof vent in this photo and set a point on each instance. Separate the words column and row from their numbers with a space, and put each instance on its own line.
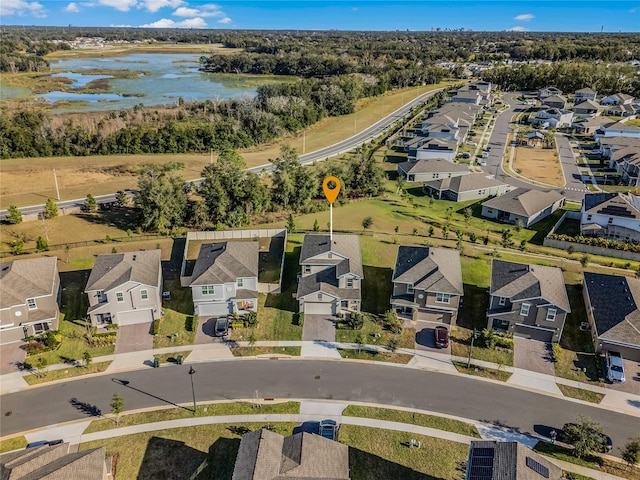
column 629, row 298
column 134, row 258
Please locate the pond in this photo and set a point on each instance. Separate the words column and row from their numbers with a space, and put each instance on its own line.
column 163, row 79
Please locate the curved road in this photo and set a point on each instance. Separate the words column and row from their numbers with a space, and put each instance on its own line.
column 360, row 138
column 314, row 379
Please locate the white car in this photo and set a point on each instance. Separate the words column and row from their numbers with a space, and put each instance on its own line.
column 485, row 154
column 483, row 163
column 472, row 144
column 615, row 369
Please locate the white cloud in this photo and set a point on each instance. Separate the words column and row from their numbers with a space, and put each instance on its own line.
column 168, row 23
column 517, row 29
column 225, row 20
column 21, row 7
column 155, row 5
column 209, row 10
column 525, row 17
column 120, row 5
column 72, row 7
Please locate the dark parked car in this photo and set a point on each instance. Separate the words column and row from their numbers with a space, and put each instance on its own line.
column 40, row 443
column 604, row 441
column 441, row 336
column 328, row 429
column 222, row 327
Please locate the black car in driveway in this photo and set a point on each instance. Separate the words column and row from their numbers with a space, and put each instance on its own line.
column 221, row 328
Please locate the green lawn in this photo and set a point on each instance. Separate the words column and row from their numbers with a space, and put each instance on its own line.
column 253, row 351
column 13, row 443
column 171, row 357
column 391, row 357
column 66, row 373
column 570, row 227
column 203, row 410
column 412, row 418
column 372, row 333
column 177, row 316
column 581, row 393
column 461, row 343
column 482, row 372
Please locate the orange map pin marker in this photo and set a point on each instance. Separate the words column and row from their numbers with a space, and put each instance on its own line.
column 331, row 193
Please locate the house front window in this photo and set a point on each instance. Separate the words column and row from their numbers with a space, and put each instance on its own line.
column 410, row 288
column 502, row 301
column 240, row 282
column 551, row 314
column 307, row 269
column 349, row 282
column 319, row 296
column 40, row 327
column 119, row 297
column 344, row 303
column 524, row 309
column 102, row 297
column 588, row 218
column 442, row 297
column 144, row 294
column 31, row 303
column 208, row 290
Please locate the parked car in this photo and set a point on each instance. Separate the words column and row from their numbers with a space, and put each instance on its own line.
column 472, row 133
column 485, row 154
column 328, row 429
column 465, row 155
column 221, row 327
column 615, row 368
column 441, row 336
column 41, row 443
column 472, row 144
column 483, row 163
column 605, row 444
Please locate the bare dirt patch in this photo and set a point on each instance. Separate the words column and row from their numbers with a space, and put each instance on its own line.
column 539, row 164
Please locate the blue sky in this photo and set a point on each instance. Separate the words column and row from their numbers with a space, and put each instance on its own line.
column 494, row 15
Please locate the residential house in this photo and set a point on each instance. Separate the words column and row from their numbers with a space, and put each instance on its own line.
column 585, row 109
column 471, row 96
column 627, row 162
column 612, row 311
column 421, row 148
column 548, row 92
column 430, row 169
column 265, row 455
column 583, row 95
column 125, row 288
column 464, row 188
column 495, row 460
column 29, row 298
column 527, row 300
column 617, row 99
column 554, row 117
column 427, row 284
column 443, row 131
column 589, row 125
column 618, row 129
column 523, row 205
column 331, row 276
column 621, row 110
column 225, row 278
column 56, row 462
column 615, row 216
column 535, row 138
column 555, row 101
column 609, row 145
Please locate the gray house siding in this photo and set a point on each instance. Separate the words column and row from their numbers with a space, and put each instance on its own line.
column 533, row 325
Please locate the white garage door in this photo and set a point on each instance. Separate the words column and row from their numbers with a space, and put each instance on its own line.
column 135, row 317
column 320, row 308
column 212, row 309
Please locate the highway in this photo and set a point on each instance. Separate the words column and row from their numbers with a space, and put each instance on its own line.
column 313, row 379
column 360, row 138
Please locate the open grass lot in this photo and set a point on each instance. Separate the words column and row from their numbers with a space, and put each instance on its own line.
column 461, row 342
column 171, row 357
column 412, row 418
column 390, row 357
column 203, row 410
column 581, row 394
column 482, row 372
column 176, row 318
column 377, row 454
column 608, row 466
column 13, row 443
column 72, row 371
column 253, row 351
column 373, row 334
column 539, row 164
column 114, row 50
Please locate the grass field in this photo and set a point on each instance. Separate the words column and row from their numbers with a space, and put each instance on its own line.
column 66, row 373
column 483, row 372
column 390, row 357
column 461, row 343
column 253, row 351
column 13, row 443
column 581, row 393
column 177, row 315
column 372, row 333
column 539, row 164
column 115, row 50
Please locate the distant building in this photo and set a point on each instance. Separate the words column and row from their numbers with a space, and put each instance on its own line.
column 464, row 188
column 614, row 216
column 524, row 205
column 431, row 169
column 548, row 92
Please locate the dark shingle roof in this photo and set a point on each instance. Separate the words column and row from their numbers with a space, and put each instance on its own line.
column 343, row 247
column 464, row 183
column 22, row 279
column 111, row 271
column 614, row 204
column 523, row 201
column 225, row 262
column 326, row 281
column 429, row 268
column 520, row 281
column 615, row 301
column 493, row 460
column 433, row 165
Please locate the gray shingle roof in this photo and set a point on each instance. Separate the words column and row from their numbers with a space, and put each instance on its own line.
column 523, row 201
column 585, row 90
column 22, row 279
column 613, row 204
column 621, row 126
column 587, row 104
column 464, row 183
column 615, row 301
column 115, row 269
column 433, row 165
column 429, row 268
column 555, row 99
column 326, row 281
column 225, row 262
column 520, row 281
column 264, row 455
column 344, row 246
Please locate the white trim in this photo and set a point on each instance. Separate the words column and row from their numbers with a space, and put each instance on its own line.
column 552, row 330
column 555, row 315
column 522, row 308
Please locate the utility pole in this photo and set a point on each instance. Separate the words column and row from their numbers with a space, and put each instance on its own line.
column 355, row 123
column 55, row 178
column 304, row 141
column 193, row 391
column 473, row 337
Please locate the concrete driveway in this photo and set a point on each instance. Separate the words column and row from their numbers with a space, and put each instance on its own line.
column 425, row 337
column 206, row 331
column 319, row 328
column 134, row 338
column 632, row 374
column 532, row 355
column 11, row 356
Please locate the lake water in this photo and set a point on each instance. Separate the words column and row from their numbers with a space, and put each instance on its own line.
column 166, row 78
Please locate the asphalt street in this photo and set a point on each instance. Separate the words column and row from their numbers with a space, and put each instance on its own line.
column 575, row 187
column 387, row 385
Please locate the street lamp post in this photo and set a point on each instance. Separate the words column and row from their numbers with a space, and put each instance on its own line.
column 193, row 391
column 473, row 337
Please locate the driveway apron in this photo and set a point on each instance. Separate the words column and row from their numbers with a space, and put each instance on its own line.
column 532, row 355
column 319, row 328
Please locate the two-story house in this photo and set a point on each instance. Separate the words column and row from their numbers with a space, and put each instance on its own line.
column 615, row 216
column 420, row 148
column 331, row 277
column 627, row 162
column 554, row 117
column 585, row 109
column 225, row 278
column 548, row 92
column 617, row 99
column 431, row 169
column 584, row 94
column 427, row 284
column 29, row 298
column 527, row 300
column 555, row 101
column 125, row 288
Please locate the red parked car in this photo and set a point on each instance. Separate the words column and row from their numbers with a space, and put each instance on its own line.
column 441, row 337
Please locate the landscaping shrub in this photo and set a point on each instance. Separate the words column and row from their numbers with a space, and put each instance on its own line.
column 190, row 323
column 102, row 339
column 556, row 350
column 300, row 319
column 355, row 320
column 392, row 322
column 250, row 319
column 156, row 326
column 597, row 242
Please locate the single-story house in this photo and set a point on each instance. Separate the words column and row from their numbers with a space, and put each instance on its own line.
column 555, row 101
column 584, row 94
column 615, row 216
column 618, row 129
column 29, row 298
column 621, row 110
column 535, row 138
column 467, row 97
column 524, row 205
column 527, row 300
column 588, row 108
column 430, row 169
column 612, row 311
column 332, row 273
column 427, row 283
column 463, row 188
column 125, row 288
column 225, row 278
